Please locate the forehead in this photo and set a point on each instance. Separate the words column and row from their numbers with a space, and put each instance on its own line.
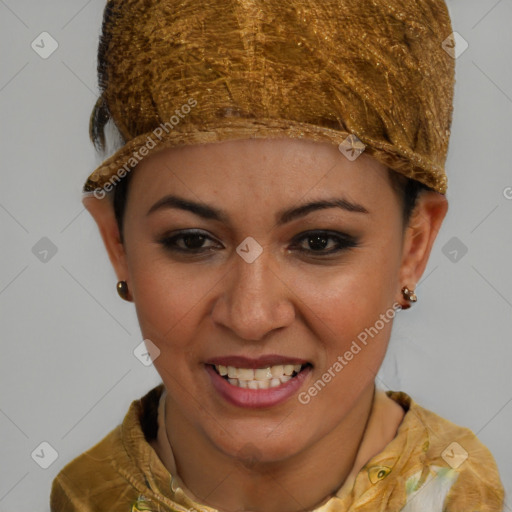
column 273, row 171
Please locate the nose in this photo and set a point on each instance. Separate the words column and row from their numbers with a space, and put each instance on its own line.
column 254, row 299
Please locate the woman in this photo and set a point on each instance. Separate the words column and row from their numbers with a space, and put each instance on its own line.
column 274, row 203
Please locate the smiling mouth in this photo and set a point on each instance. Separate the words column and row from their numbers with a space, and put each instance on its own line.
column 259, row 378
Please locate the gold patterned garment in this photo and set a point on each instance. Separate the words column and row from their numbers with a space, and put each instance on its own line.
column 431, row 465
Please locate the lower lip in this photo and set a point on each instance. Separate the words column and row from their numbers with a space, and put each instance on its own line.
column 257, row 398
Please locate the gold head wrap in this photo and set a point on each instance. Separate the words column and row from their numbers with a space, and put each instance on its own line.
column 175, row 72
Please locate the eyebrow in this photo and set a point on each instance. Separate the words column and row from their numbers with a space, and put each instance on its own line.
column 283, row 216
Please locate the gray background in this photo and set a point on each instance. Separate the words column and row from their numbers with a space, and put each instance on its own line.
column 68, row 373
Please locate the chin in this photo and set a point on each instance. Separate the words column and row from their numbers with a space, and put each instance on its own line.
column 259, row 442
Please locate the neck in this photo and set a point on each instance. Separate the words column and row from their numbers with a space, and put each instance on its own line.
column 300, row 482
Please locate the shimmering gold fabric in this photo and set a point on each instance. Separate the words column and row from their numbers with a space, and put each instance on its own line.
column 176, row 72
column 431, row 465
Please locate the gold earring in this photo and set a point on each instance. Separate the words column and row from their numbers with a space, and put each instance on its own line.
column 122, row 290
column 408, row 295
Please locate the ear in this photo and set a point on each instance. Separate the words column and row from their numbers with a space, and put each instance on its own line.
column 102, row 211
column 419, row 237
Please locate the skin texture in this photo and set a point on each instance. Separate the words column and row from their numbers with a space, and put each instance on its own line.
column 288, row 302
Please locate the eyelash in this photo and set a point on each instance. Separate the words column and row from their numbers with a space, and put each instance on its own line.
column 344, row 242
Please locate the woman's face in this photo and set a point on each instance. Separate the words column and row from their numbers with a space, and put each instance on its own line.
column 228, row 266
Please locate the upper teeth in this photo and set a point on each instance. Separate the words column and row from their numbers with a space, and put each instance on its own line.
column 261, row 374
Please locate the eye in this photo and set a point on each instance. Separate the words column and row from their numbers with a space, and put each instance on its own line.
column 318, row 241
column 188, row 241
column 321, row 243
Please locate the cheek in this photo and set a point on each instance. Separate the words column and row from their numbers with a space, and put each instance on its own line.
column 348, row 298
column 349, row 319
column 168, row 300
column 350, row 310
column 352, row 317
